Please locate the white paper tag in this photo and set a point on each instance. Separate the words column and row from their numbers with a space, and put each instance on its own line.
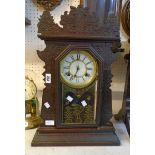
column 49, row 122
column 46, row 105
column 26, row 124
column 28, row 115
column 69, row 98
column 84, row 103
column 48, row 78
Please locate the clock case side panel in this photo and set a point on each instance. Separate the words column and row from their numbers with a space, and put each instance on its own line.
column 104, row 49
column 87, row 47
column 48, row 56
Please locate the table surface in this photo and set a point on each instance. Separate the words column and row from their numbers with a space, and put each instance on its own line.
column 123, row 149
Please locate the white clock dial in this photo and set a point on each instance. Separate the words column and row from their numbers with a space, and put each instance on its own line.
column 78, row 69
column 30, row 89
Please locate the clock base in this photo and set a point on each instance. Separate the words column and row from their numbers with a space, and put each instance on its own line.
column 50, row 136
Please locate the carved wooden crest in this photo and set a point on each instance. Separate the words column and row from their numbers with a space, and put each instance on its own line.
column 79, row 23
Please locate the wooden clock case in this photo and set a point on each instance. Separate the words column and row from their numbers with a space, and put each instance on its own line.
column 81, row 30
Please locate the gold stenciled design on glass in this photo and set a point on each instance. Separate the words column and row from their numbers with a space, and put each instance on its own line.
column 78, row 114
column 78, row 69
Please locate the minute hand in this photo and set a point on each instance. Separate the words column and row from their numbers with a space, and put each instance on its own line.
column 77, row 69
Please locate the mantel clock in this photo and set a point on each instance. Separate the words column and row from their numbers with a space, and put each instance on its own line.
column 76, row 102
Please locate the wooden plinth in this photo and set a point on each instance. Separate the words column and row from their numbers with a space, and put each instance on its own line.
column 104, row 136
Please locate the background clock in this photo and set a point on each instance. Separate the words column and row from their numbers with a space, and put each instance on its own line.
column 78, row 69
column 30, row 89
column 32, row 118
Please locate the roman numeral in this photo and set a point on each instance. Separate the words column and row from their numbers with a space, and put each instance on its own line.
column 88, row 63
column 89, row 68
column 67, row 61
column 84, row 59
column 87, row 75
column 77, row 80
column 78, row 56
column 72, row 57
column 66, row 67
column 67, row 73
column 83, row 78
column 72, row 77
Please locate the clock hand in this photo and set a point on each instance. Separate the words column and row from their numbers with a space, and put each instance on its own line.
column 75, row 73
column 77, row 69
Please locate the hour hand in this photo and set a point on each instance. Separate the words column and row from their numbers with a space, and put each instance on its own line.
column 77, row 68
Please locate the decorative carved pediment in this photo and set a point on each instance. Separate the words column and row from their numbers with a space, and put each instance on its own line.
column 78, row 23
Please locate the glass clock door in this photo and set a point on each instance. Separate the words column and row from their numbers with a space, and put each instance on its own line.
column 79, row 72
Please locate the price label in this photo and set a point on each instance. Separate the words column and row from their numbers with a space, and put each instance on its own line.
column 49, row 122
column 69, row 98
column 84, row 103
column 48, row 78
column 28, row 115
column 47, row 105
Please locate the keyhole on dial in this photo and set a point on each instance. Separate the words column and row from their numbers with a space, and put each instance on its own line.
column 87, row 75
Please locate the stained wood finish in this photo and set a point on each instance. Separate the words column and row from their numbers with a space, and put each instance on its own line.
column 100, row 40
column 80, row 22
column 72, row 137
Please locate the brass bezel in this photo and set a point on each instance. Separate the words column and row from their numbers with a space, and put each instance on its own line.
column 88, row 82
column 27, row 78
